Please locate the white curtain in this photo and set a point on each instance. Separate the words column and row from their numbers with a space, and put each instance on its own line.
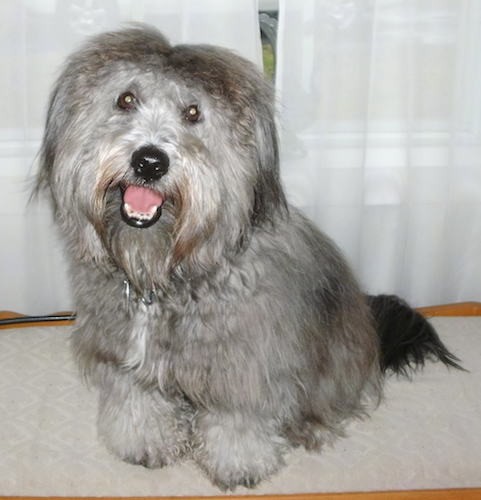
column 380, row 113
column 381, row 128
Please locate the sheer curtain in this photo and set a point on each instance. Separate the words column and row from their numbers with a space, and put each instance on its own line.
column 36, row 36
column 381, row 137
column 380, row 113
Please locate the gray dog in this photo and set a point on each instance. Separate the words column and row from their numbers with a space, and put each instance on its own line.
column 216, row 321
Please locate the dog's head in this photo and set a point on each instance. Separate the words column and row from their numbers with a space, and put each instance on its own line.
column 154, row 152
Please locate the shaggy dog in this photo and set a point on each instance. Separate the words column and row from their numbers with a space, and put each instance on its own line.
column 216, row 321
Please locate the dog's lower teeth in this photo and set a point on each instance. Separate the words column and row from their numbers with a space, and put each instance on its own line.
column 138, row 219
column 138, row 215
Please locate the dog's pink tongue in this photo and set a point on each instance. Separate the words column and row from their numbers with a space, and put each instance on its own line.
column 142, row 199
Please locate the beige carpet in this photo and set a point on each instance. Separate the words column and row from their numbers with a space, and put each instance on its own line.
column 426, row 434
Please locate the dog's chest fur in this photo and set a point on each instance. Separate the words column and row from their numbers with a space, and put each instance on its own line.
column 183, row 348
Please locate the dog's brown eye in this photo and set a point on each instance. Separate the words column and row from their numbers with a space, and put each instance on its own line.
column 127, row 101
column 192, row 113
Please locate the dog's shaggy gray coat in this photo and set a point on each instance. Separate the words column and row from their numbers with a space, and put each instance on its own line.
column 218, row 323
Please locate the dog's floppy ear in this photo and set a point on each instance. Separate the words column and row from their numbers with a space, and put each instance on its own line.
column 47, row 153
column 268, row 193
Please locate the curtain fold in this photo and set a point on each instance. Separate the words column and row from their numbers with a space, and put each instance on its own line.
column 380, row 112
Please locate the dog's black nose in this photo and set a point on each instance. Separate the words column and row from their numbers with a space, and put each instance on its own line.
column 150, row 163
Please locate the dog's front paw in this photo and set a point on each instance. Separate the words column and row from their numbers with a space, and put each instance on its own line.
column 145, row 429
column 152, row 445
column 151, row 455
column 236, row 452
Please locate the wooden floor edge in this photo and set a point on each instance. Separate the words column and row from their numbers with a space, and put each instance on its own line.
column 446, row 494
column 455, row 309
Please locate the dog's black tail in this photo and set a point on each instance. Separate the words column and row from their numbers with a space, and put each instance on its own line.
column 407, row 338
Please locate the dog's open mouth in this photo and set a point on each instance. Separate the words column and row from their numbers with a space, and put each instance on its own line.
column 141, row 206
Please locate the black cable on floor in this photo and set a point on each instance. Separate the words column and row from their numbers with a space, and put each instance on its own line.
column 21, row 320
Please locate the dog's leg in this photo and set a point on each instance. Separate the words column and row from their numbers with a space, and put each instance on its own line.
column 236, row 449
column 140, row 426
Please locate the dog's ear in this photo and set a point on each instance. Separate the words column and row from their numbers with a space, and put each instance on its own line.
column 47, row 154
column 268, row 193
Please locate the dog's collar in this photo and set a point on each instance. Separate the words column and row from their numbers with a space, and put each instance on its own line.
column 132, row 296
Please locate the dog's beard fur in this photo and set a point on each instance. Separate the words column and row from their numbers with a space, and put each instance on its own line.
column 258, row 338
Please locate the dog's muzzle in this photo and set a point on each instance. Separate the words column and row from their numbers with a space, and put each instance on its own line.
column 141, row 204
